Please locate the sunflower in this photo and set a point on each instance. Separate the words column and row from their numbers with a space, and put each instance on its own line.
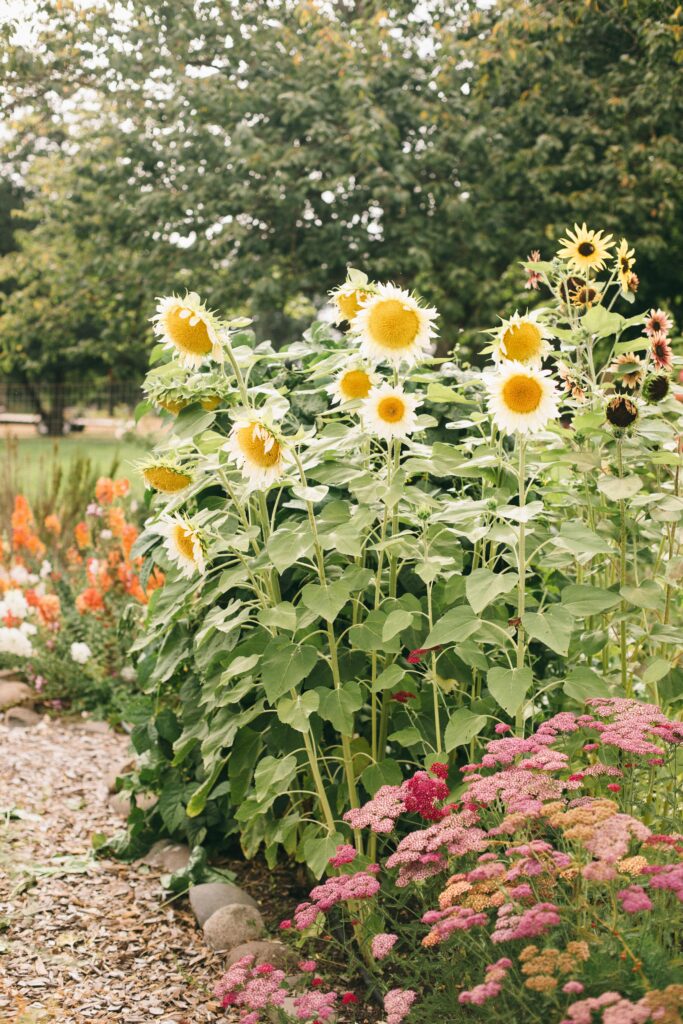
column 188, row 327
column 183, row 544
column 585, row 250
column 353, row 384
column 392, row 326
column 625, row 259
column 389, row 412
column 571, row 383
column 658, row 324
column 662, row 353
column 521, row 399
column 621, row 412
column 256, row 449
column 578, row 292
column 628, row 370
column 521, row 339
column 166, row 478
column 348, row 300
column 172, row 405
column 656, row 388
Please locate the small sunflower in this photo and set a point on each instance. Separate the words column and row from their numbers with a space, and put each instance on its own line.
column 662, row 353
column 172, row 405
column 348, row 300
column 578, row 292
column 183, row 544
column 353, row 384
column 621, row 412
column 166, row 477
column 392, row 326
column 585, row 250
column 625, row 259
column 571, row 383
column 389, row 412
column 656, row 388
column 521, row 399
column 257, row 450
column 628, row 370
column 658, row 324
column 188, row 327
column 521, row 339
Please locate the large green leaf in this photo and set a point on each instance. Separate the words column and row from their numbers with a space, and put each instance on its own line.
column 391, row 676
column 296, row 711
column 284, row 665
column 396, row 622
column 457, row 624
column 463, row 726
column 338, row 706
column 274, row 774
column 582, row 600
column 288, row 544
column 509, row 687
column 553, row 627
column 619, row 488
column 326, row 601
column 483, row 586
column 583, row 682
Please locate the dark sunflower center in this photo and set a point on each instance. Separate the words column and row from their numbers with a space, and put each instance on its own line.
column 586, row 249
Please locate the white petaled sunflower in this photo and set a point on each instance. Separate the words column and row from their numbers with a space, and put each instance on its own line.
column 183, row 544
column 389, row 412
column 521, row 399
column 348, row 300
column 166, row 478
column 585, row 250
column 256, row 449
column 188, row 327
column 353, row 384
column 521, row 339
column 392, row 326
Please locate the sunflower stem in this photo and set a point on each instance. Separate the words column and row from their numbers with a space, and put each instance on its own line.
column 521, row 568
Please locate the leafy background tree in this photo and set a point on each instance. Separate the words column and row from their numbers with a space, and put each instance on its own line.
column 252, row 150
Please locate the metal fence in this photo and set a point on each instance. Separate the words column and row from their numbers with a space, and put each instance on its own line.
column 105, row 398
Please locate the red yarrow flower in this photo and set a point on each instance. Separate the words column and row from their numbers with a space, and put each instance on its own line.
column 416, row 655
column 348, row 998
column 403, row 696
column 614, row 787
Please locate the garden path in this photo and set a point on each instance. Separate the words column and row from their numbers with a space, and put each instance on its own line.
column 85, row 940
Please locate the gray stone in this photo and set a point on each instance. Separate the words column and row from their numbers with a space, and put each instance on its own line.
column 14, row 692
column 167, row 855
column 232, row 926
column 95, row 726
column 209, row 897
column 116, row 773
column 21, row 717
column 265, row 952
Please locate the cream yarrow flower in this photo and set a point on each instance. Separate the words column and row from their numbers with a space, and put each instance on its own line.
column 258, row 450
column 183, row 544
column 392, row 326
column 188, row 327
column 353, row 384
column 521, row 339
column 389, row 412
column 521, row 399
column 585, row 250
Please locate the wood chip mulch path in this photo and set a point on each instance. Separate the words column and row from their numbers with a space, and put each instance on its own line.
column 85, row 940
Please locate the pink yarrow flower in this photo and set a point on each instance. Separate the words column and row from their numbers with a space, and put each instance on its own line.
column 382, row 944
column 344, row 854
column 397, row 1004
column 634, row 899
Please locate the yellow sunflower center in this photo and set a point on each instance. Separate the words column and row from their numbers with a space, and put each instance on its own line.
column 187, row 331
column 167, row 480
column 392, row 325
column 174, row 406
column 586, row 249
column 210, row 403
column 183, row 538
column 355, row 384
column 522, row 394
column 350, row 303
column 258, row 445
column 522, row 341
column 391, row 409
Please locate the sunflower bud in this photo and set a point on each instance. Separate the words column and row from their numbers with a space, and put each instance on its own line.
column 656, row 388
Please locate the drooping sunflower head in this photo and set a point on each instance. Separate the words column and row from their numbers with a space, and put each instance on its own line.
column 183, row 544
column 166, row 477
column 348, row 300
column 584, row 249
column 628, row 371
column 257, row 450
column 172, row 405
column 574, row 290
column 625, row 260
column 353, row 384
column 621, row 412
column 394, row 327
column 389, row 412
column 521, row 339
column 187, row 327
column 656, row 387
column 521, row 399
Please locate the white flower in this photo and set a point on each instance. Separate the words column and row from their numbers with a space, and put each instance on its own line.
column 255, row 448
column 28, row 629
column 128, row 674
column 45, row 569
column 352, row 384
column 80, row 653
column 13, row 641
column 521, row 399
column 15, row 604
column 106, row 534
column 389, row 412
column 19, row 575
column 348, row 300
column 392, row 326
column 183, row 544
column 188, row 327
column 521, row 339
